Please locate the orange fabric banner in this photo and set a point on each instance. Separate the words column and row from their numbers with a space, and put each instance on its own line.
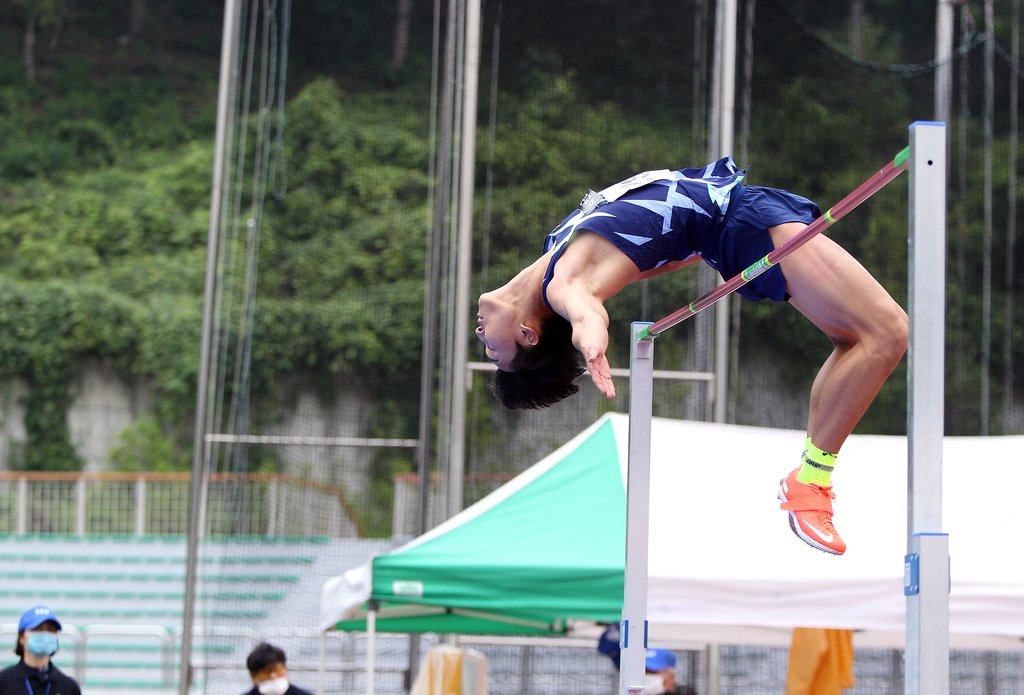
column 820, row 662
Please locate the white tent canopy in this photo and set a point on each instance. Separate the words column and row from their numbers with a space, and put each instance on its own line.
column 724, row 566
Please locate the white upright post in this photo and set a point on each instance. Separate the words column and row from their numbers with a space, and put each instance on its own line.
column 371, row 648
column 633, row 630
column 926, row 569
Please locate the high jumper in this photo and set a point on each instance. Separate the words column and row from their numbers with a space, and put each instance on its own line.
column 549, row 321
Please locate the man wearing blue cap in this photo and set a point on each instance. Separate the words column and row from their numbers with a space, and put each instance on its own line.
column 37, row 642
column 661, row 672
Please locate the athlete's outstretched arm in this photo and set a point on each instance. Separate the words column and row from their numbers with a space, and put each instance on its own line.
column 589, row 322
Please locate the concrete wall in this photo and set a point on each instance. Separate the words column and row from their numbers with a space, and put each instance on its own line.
column 12, row 418
column 104, row 404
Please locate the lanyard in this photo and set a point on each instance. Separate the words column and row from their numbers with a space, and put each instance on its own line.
column 28, row 687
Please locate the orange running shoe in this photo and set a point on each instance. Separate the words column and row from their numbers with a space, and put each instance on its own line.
column 810, row 513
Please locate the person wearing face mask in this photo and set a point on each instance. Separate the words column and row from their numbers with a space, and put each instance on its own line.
column 660, row 678
column 35, row 674
column 269, row 672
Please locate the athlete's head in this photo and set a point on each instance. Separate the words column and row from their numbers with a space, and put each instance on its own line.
column 540, row 374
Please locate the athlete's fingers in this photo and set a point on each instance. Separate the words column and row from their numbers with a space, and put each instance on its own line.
column 601, row 374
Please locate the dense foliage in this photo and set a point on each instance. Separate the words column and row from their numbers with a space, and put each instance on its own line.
column 106, row 149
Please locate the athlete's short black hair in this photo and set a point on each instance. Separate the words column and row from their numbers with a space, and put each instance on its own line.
column 264, row 655
column 544, row 373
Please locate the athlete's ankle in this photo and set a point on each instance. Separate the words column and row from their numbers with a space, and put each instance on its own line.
column 817, row 465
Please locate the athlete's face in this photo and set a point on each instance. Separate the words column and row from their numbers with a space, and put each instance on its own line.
column 501, row 331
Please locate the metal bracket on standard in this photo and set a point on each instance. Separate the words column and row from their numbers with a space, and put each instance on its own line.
column 911, row 574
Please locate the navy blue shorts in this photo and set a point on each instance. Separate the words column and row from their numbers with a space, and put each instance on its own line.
column 744, row 238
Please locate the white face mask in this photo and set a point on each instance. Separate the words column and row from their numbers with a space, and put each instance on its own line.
column 654, row 684
column 274, row 686
column 42, row 643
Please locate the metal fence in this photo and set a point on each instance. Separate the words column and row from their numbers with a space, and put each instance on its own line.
column 139, row 504
column 335, row 662
column 405, row 518
column 270, row 504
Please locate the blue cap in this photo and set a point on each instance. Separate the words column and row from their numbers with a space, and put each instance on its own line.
column 36, row 616
column 660, row 659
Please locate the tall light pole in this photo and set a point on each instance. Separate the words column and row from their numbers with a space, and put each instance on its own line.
column 225, row 122
column 720, row 144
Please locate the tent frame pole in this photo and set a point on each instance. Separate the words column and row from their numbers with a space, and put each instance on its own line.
column 321, row 672
column 371, row 648
column 926, row 568
column 633, row 629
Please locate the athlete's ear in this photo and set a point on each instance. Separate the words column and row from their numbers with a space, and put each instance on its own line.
column 529, row 334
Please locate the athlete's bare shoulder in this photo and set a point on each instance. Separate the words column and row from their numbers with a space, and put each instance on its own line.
column 593, row 262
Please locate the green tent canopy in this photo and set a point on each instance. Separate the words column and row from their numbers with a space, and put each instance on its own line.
column 530, row 559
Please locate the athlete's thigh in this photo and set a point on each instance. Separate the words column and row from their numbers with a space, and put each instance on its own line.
column 831, row 288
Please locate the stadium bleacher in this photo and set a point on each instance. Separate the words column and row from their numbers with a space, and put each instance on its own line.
column 121, row 598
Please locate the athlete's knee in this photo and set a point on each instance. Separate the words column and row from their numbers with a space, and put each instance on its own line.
column 890, row 335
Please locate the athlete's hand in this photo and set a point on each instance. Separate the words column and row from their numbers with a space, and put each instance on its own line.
column 600, row 372
column 585, row 311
